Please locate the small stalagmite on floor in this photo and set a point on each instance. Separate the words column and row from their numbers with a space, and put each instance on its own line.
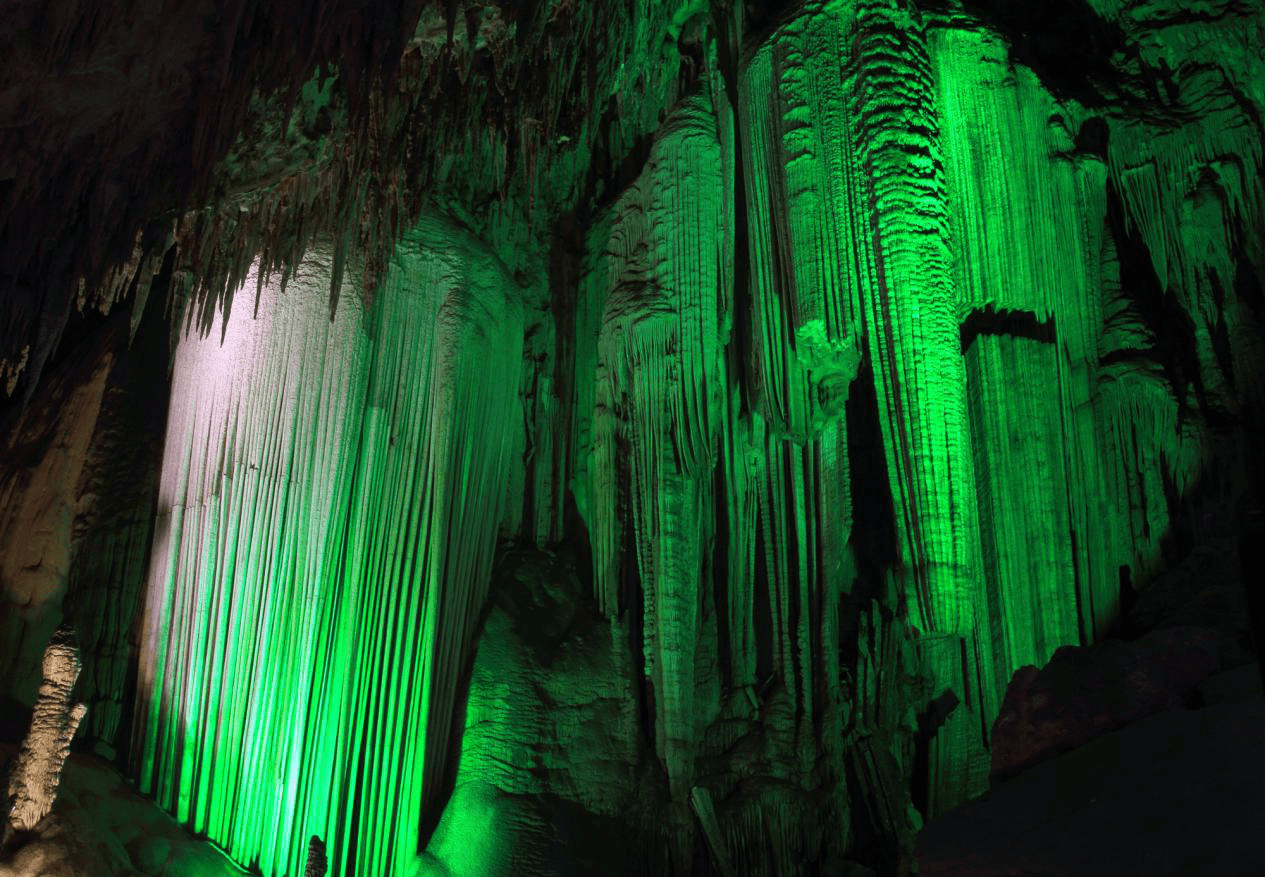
column 316, row 863
column 37, row 771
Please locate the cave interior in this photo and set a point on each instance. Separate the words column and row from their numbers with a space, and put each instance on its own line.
column 682, row 437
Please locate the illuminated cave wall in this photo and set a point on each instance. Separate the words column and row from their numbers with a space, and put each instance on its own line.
column 917, row 206
column 328, row 511
column 813, row 381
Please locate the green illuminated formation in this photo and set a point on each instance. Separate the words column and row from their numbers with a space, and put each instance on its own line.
column 916, row 199
column 849, row 400
column 658, row 390
column 330, row 500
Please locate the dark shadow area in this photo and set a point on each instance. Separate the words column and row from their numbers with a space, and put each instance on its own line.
column 930, row 720
column 15, row 719
column 1066, row 44
column 1105, row 809
column 576, row 843
column 991, row 320
column 873, row 538
column 1172, row 332
column 762, row 17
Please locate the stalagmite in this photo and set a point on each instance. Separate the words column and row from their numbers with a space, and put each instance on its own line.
column 37, row 772
column 316, row 863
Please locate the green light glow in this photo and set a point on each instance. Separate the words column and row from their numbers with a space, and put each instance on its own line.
column 922, row 234
column 331, row 493
column 898, row 181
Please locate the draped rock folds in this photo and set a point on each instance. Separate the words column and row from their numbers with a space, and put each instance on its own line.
column 866, row 386
column 917, row 202
column 329, row 505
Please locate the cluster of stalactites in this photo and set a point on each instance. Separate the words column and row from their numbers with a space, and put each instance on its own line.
column 917, row 212
column 330, row 502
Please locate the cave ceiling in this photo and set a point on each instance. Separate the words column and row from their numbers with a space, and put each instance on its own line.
column 212, row 133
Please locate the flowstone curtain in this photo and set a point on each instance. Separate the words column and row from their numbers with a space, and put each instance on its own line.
column 330, row 500
column 919, row 227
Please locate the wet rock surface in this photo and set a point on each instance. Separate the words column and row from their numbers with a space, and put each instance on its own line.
column 1084, row 692
column 101, row 827
column 1177, row 793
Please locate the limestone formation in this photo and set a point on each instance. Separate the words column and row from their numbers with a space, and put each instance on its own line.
column 316, row 861
column 36, row 773
column 645, row 434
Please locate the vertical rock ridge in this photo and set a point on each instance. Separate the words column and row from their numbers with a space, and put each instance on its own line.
column 331, row 498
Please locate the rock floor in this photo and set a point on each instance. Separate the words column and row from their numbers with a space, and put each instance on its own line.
column 101, row 827
column 1178, row 794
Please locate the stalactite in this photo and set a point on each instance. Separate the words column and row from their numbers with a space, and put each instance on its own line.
column 330, row 502
column 659, row 385
column 1032, row 272
column 104, row 182
column 808, row 270
column 913, row 340
column 1190, row 180
column 239, row 561
column 851, row 250
column 1029, row 558
column 913, row 336
column 1157, row 165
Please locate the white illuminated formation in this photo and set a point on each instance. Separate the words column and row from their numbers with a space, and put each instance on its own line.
column 329, row 506
column 33, row 783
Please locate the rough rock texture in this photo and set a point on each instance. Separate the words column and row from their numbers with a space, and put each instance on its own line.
column 317, row 864
column 34, row 777
column 79, row 484
column 1175, row 794
column 44, row 461
column 257, row 126
column 116, row 114
column 100, row 827
column 114, row 525
column 1205, row 589
column 553, row 770
column 52, row 851
column 1083, row 693
column 556, row 765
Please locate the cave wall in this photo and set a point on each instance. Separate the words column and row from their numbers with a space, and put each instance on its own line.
column 80, row 481
column 917, row 201
column 329, row 505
